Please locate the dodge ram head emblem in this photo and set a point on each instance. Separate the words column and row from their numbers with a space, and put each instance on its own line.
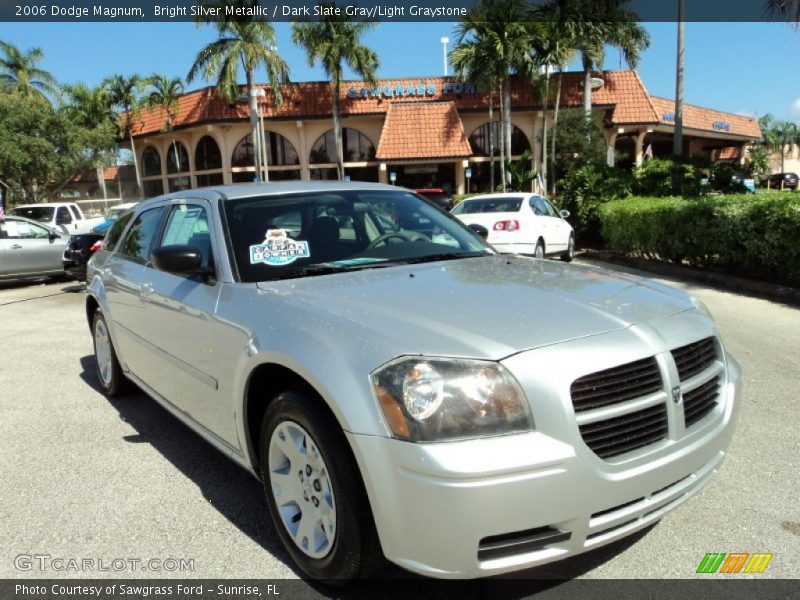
column 677, row 397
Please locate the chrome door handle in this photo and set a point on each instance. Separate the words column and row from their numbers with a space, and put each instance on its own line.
column 16, row 247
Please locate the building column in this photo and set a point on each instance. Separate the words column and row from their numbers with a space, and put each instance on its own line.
column 224, row 149
column 611, row 140
column 460, row 179
column 383, row 173
column 640, row 146
column 743, row 154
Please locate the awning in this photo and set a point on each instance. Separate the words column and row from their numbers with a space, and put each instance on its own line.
column 423, row 130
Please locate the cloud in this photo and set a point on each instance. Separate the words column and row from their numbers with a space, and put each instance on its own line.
column 796, row 108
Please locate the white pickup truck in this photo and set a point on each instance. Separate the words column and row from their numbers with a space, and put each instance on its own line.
column 63, row 216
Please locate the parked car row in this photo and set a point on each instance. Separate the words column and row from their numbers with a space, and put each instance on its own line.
column 53, row 242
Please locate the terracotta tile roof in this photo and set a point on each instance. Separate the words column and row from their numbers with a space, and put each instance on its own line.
column 622, row 93
column 126, row 173
column 422, row 130
column 707, row 119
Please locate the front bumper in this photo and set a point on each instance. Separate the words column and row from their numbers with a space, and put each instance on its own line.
column 443, row 509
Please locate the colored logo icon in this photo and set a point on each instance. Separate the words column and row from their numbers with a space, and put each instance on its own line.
column 734, row 562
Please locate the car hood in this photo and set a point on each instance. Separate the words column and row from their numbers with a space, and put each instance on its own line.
column 483, row 307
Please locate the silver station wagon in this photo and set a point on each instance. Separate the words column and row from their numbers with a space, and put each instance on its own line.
column 401, row 389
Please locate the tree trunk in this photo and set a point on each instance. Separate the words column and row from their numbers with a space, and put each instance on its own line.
column 491, row 141
column 545, row 102
column 253, row 102
column 553, row 137
column 136, row 167
column 506, row 121
column 101, row 180
column 337, row 126
column 502, row 139
column 587, row 91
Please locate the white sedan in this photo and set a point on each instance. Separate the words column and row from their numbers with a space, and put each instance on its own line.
column 520, row 223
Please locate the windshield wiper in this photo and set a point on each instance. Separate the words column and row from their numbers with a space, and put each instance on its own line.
column 437, row 257
column 314, row 270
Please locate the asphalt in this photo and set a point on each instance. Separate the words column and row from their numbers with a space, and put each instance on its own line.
column 88, row 477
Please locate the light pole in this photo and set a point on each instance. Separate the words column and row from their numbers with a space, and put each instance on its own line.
column 445, row 40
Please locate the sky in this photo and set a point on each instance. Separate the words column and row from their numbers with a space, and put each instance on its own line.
column 745, row 68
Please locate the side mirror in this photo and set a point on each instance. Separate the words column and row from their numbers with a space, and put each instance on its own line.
column 179, row 260
column 52, row 235
column 564, row 214
column 479, row 229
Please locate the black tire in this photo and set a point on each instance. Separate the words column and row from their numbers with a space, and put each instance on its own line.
column 570, row 253
column 538, row 252
column 355, row 552
column 113, row 383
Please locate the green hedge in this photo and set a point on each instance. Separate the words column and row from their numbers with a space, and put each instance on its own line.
column 743, row 234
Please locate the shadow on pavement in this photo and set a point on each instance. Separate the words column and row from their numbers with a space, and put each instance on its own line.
column 240, row 499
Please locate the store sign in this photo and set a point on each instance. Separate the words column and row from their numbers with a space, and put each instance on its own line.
column 669, row 117
column 721, row 125
column 411, row 90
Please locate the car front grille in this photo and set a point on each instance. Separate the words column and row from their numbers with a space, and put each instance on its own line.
column 700, row 401
column 625, row 433
column 694, row 358
column 619, row 384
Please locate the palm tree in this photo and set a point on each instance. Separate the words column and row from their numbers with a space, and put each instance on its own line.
column 125, row 94
column 788, row 10
column 783, row 134
column 245, row 42
column 90, row 109
column 499, row 26
column 474, row 61
column 165, row 92
column 19, row 72
column 677, row 140
column 333, row 42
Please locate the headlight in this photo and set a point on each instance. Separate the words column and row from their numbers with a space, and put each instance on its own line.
column 434, row 399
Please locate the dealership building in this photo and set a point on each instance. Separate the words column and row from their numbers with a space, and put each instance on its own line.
column 415, row 132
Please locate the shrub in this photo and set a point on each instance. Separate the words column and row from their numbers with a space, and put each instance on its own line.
column 585, row 189
column 667, row 177
column 744, row 234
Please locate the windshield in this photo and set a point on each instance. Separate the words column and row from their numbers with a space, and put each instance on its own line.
column 43, row 214
column 488, row 205
column 295, row 235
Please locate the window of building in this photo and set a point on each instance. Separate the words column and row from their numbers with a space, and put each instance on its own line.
column 153, row 188
column 207, row 155
column 209, row 179
column 356, row 147
column 176, row 184
column 479, row 140
column 151, row 161
column 177, row 158
column 280, row 152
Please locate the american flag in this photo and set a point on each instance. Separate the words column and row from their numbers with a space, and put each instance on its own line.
column 648, row 153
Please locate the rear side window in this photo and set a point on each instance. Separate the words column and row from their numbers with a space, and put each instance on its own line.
column 140, row 236
column 488, row 205
column 115, row 232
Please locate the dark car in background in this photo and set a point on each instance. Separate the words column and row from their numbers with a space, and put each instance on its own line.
column 783, row 181
column 81, row 248
column 439, row 196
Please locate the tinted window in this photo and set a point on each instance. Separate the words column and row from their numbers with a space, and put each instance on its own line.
column 140, row 236
column 115, row 232
column 37, row 213
column 63, row 217
column 188, row 224
column 539, row 207
column 488, row 205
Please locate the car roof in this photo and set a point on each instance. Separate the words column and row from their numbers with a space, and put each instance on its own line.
column 500, row 195
column 44, row 204
column 253, row 190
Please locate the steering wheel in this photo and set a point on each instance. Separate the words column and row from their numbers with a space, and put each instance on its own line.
column 382, row 239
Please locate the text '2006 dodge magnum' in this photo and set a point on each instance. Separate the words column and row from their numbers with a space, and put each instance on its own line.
column 400, row 388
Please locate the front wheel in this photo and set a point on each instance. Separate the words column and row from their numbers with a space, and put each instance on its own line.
column 314, row 492
column 570, row 253
column 107, row 367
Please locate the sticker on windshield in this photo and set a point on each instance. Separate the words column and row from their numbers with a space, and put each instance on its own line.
column 278, row 249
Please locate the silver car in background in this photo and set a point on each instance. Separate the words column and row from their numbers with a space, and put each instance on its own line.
column 400, row 388
column 30, row 250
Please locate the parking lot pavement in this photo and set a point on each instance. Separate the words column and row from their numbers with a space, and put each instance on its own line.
column 88, row 477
